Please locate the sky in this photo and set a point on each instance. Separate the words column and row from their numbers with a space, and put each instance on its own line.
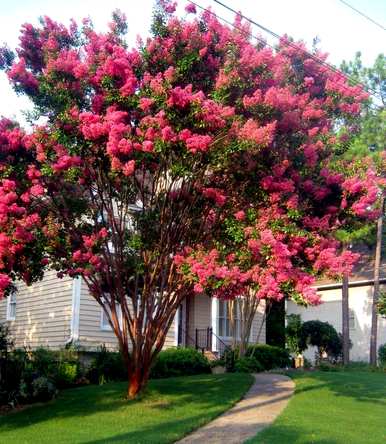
column 340, row 30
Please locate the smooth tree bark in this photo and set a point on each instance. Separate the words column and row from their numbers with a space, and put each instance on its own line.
column 345, row 320
column 376, row 289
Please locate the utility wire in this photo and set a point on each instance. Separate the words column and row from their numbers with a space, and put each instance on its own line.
column 362, row 14
column 264, row 42
column 371, row 91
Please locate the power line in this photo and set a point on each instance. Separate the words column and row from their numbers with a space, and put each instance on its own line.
column 362, row 14
column 264, row 42
column 371, row 91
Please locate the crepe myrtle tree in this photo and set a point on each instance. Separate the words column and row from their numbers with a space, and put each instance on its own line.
column 197, row 161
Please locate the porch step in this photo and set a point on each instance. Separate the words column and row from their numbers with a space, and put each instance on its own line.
column 211, row 356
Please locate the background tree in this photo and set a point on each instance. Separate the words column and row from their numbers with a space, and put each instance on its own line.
column 197, row 161
column 371, row 139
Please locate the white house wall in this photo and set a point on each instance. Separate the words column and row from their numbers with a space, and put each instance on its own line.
column 360, row 302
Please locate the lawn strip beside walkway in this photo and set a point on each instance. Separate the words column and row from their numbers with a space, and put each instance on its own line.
column 261, row 405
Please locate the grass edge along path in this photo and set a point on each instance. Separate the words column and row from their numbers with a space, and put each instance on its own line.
column 332, row 408
column 170, row 409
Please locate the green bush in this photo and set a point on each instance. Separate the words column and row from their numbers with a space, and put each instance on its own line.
column 382, row 355
column 248, row 365
column 43, row 389
column 66, row 374
column 106, row 366
column 292, row 333
column 230, row 357
column 179, row 362
column 44, row 361
column 269, row 356
column 328, row 367
column 323, row 336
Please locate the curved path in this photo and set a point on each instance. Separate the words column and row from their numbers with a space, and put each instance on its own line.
column 259, row 408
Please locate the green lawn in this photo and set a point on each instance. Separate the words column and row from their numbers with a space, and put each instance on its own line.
column 332, row 408
column 169, row 410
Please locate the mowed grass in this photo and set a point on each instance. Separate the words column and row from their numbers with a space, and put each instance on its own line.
column 168, row 410
column 332, row 408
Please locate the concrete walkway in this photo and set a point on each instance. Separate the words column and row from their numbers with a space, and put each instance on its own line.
column 259, row 408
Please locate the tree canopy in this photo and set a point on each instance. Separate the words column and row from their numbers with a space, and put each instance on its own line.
column 198, row 161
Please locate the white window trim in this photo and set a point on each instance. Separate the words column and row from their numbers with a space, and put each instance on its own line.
column 215, row 345
column 107, row 327
column 226, row 338
column 9, row 316
column 75, row 311
column 352, row 318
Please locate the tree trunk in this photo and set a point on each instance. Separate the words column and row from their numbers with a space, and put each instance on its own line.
column 137, row 381
column 345, row 321
column 374, row 308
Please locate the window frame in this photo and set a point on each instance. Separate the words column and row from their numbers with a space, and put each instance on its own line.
column 106, row 326
column 352, row 323
column 227, row 320
column 11, row 301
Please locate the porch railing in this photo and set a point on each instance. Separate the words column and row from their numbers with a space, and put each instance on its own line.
column 203, row 340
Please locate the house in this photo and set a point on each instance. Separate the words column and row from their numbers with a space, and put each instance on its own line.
column 361, row 285
column 55, row 312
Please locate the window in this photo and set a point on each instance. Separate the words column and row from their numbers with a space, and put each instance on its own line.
column 352, row 320
column 105, row 325
column 11, row 306
column 224, row 323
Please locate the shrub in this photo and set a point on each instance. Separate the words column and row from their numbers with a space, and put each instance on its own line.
column 292, row 333
column 269, row 356
column 382, row 355
column 106, row 366
column 230, row 359
column 44, row 361
column 248, row 365
column 66, row 374
column 179, row 362
column 43, row 389
column 322, row 335
column 328, row 367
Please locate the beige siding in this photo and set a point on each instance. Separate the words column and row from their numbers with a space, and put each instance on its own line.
column 200, row 317
column 91, row 334
column 43, row 313
column 258, row 325
column 199, row 313
column 360, row 303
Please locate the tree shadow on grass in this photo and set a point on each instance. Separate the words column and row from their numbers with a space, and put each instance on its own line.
column 362, row 386
column 205, row 392
column 287, row 435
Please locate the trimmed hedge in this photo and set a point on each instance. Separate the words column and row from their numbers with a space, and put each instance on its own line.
column 269, row 356
column 179, row 362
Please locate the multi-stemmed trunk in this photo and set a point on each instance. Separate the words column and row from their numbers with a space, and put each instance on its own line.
column 345, row 320
column 374, row 308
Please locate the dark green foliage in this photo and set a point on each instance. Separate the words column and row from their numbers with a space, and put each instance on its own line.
column 328, row 367
column 275, row 324
column 323, row 336
column 43, row 389
column 382, row 355
column 293, row 332
column 107, row 366
column 269, row 356
column 179, row 362
column 382, row 304
column 230, row 359
column 248, row 365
